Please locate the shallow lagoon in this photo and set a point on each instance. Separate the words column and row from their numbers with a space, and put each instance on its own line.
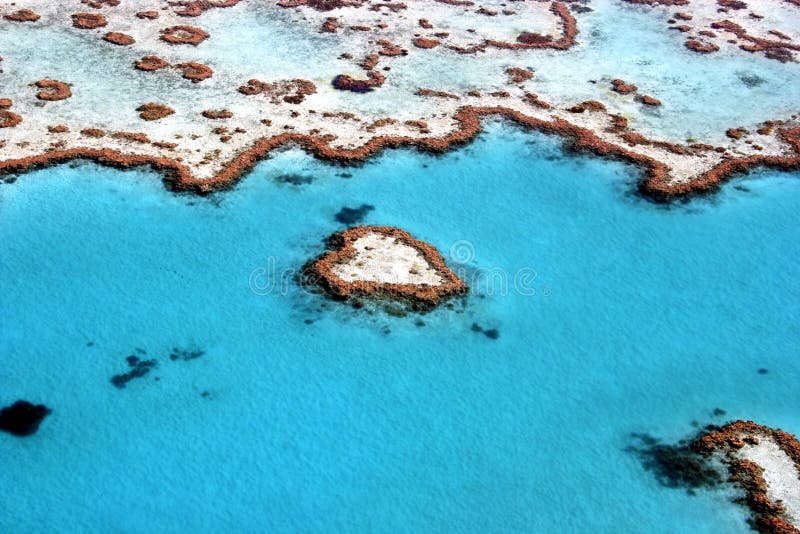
column 644, row 318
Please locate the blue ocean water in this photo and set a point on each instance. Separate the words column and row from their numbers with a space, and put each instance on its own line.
column 305, row 415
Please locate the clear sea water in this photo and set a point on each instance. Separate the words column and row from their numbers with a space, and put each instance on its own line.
column 644, row 318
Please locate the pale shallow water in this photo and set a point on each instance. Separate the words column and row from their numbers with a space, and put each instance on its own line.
column 644, row 318
column 702, row 95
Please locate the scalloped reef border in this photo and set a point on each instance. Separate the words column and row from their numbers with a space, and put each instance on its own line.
column 341, row 244
column 655, row 185
column 749, row 475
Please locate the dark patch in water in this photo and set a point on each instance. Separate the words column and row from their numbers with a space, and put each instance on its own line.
column 763, row 371
column 351, row 216
column 139, row 368
column 674, row 465
column 294, row 179
column 90, row 344
column 750, row 79
column 185, row 355
column 491, row 333
column 22, row 418
column 419, row 323
column 718, row 412
column 395, row 310
column 742, row 188
column 309, row 321
column 345, row 175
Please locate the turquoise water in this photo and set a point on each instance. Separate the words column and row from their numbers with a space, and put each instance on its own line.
column 643, row 319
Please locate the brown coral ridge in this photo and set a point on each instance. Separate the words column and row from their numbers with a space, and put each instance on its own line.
column 518, row 74
column 701, row 47
column 659, row 2
column 289, row 91
column 93, row 132
column 769, row 516
column 118, row 38
column 345, row 82
column 147, row 15
column 321, row 270
column 88, row 21
column 152, row 111
column 588, row 105
column 531, row 40
column 622, row 88
column 52, row 90
column 23, row 15
column 196, row 72
column 778, row 50
column 196, row 8
column 656, row 183
column 151, row 63
column 437, row 94
column 183, row 34
column 9, row 119
column 648, row 100
column 321, row 5
column 97, row 4
column 425, row 43
column 389, row 49
column 569, row 29
column 217, row 114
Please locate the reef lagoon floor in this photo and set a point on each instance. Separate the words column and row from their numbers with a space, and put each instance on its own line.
column 270, row 408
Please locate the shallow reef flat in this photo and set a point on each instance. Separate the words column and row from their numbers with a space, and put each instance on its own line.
column 765, row 463
column 204, row 89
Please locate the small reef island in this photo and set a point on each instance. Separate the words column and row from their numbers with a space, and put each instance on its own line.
column 387, row 263
column 765, row 463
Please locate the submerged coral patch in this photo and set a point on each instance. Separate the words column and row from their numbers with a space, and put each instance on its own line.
column 674, row 465
column 351, row 216
column 22, row 418
column 138, row 369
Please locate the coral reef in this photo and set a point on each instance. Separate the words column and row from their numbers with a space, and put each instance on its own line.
column 399, row 248
column 152, row 111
